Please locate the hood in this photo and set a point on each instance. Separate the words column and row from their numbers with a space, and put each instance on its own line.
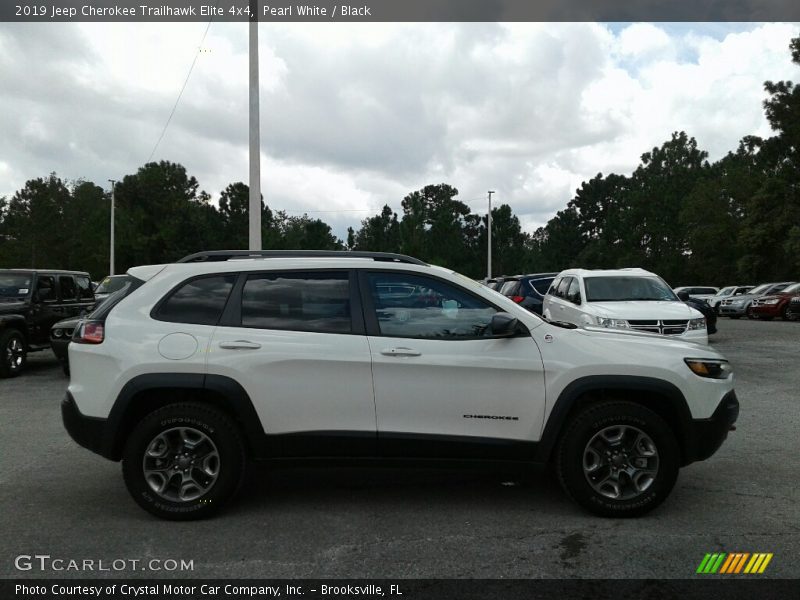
column 642, row 309
column 742, row 297
column 12, row 306
column 67, row 323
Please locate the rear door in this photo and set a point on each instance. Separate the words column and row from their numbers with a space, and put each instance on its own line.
column 295, row 341
column 444, row 387
column 46, row 309
column 68, row 294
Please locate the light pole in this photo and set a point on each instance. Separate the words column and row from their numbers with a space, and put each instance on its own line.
column 111, row 260
column 489, row 232
column 255, row 138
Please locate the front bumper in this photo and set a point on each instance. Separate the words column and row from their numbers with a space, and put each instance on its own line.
column 767, row 310
column 705, row 436
column 89, row 432
column 60, row 346
column 732, row 309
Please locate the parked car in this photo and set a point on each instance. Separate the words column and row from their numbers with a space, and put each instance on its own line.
column 728, row 292
column 702, row 307
column 31, row 301
column 622, row 299
column 699, row 292
column 793, row 311
column 199, row 366
column 60, row 337
column 109, row 285
column 773, row 305
column 740, row 305
column 528, row 290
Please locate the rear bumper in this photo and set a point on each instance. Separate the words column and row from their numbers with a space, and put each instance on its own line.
column 89, row 432
column 705, row 436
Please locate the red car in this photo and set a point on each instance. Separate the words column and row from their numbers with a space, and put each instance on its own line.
column 776, row 305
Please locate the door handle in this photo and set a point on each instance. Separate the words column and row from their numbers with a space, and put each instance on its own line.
column 239, row 345
column 401, row 352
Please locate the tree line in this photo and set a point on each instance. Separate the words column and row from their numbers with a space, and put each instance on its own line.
column 677, row 214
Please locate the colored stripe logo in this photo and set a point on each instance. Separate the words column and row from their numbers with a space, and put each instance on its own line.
column 734, row 563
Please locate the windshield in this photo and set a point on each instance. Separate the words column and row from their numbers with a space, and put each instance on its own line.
column 622, row 288
column 795, row 287
column 760, row 289
column 726, row 291
column 109, row 285
column 15, row 285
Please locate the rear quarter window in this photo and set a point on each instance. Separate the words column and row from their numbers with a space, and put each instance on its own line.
column 199, row 301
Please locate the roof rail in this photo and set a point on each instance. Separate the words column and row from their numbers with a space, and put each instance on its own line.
column 223, row 255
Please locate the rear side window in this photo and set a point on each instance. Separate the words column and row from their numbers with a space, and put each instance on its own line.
column 541, row 285
column 68, row 289
column 199, row 301
column 510, row 288
column 317, row 302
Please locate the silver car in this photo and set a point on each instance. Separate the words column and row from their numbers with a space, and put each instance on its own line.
column 739, row 306
column 727, row 293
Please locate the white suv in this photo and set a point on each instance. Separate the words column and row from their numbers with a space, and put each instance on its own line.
column 633, row 300
column 196, row 367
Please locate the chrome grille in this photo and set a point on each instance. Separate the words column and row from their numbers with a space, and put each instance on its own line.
column 660, row 326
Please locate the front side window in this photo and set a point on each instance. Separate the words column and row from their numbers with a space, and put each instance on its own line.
column 429, row 308
column 68, row 289
column 46, row 288
column 199, row 301
column 317, row 302
column 561, row 292
column 574, row 292
column 625, row 288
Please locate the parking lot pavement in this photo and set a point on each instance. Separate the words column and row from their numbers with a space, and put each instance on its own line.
column 62, row 500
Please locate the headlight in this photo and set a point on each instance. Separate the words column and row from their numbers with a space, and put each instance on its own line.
column 709, row 367
column 737, row 302
column 695, row 324
column 772, row 301
column 613, row 323
column 57, row 333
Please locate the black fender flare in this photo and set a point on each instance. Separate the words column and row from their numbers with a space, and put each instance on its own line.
column 571, row 395
column 237, row 403
column 14, row 321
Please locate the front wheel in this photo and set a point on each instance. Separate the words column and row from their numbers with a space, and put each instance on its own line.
column 618, row 459
column 14, row 353
column 184, row 461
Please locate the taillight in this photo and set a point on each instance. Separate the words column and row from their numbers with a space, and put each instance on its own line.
column 89, row 332
column 518, row 299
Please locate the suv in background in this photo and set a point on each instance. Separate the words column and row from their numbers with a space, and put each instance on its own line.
column 528, row 290
column 31, row 301
column 775, row 305
column 740, row 306
column 628, row 299
column 726, row 293
column 698, row 292
column 198, row 366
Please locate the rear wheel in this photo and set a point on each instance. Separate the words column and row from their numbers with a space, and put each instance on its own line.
column 14, row 353
column 618, row 459
column 184, row 461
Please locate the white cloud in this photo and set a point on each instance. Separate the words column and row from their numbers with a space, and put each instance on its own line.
column 358, row 115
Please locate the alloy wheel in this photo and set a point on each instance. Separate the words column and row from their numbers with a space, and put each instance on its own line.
column 181, row 464
column 620, row 462
column 15, row 354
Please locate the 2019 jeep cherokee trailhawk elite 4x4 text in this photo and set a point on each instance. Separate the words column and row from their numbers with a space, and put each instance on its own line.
column 195, row 367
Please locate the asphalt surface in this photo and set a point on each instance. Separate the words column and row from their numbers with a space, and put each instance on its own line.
column 61, row 500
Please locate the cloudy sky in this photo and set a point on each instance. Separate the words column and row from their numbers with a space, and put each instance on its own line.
column 355, row 116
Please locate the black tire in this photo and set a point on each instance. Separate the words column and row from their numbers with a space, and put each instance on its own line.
column 220, row 433
column 607, row 416
column 749, row 313
column 13, row 353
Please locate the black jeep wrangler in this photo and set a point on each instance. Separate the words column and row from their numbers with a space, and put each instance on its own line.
column 31, row 301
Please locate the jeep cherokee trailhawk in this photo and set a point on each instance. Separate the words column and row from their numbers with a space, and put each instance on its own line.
column 195, row 367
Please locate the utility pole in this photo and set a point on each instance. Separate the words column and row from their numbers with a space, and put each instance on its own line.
column 489, row 232
column 255, row 138
column 111, row 243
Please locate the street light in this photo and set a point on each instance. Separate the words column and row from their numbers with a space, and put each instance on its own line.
column 111, row 260
column 489, row 244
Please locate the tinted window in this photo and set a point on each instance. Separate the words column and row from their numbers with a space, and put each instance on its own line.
column 300, row 301
column 68, row 289
column 541, row 285
column 13, row 285
column 46, row 287
column 84, row 288
column 197, row 301
column 433, row 309
column 109, row 285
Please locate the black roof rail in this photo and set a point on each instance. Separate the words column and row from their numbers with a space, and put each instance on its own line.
column 223, row 255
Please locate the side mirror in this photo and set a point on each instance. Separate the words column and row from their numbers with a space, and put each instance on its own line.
column 684, row 296
column 503, row 324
